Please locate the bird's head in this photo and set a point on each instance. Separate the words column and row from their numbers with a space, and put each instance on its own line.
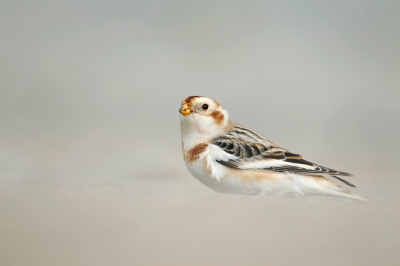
column 202, row 115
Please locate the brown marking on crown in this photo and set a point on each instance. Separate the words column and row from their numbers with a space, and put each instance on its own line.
column 218, row 117
column 189, row 99
column 193, row 154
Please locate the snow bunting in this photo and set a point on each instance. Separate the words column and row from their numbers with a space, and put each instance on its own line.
column 231, row 158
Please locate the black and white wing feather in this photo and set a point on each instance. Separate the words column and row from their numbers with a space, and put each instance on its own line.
column 250, row 150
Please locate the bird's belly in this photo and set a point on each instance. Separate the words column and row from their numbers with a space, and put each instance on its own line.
column 227, row 185
column 229, row 182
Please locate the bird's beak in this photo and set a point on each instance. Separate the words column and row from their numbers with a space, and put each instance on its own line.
column 185, row 109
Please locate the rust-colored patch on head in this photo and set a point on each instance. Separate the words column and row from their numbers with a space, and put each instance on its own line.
column 193, row 154
column 218, row 117
column 189, row 99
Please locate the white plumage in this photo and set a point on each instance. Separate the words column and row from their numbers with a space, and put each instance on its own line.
column 231, row 158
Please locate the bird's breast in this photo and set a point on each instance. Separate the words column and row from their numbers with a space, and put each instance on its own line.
column 193, row 154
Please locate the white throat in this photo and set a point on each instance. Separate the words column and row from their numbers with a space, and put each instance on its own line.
column 197, row 129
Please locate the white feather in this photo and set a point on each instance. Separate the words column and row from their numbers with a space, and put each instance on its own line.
column 215, row 153
column 268, row 163
column 199, row 127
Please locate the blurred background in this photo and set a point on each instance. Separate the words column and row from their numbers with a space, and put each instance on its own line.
column 91, row 170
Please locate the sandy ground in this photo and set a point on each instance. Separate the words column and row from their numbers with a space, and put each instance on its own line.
column 160, row 223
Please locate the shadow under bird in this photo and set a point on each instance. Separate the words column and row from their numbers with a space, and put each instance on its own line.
column 231, row 158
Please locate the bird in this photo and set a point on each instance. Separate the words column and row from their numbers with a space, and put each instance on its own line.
column 231, row 158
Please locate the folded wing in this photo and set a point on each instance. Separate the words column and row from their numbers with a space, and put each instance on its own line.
column 265, row 156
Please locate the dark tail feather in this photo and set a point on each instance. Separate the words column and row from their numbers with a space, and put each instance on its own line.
column 344, row 181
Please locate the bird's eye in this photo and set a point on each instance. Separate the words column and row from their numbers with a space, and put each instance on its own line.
column 205, row 106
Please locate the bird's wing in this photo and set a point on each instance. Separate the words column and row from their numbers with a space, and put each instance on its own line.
column 240, row 153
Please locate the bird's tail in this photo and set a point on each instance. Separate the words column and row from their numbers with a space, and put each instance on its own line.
column 320, row 185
